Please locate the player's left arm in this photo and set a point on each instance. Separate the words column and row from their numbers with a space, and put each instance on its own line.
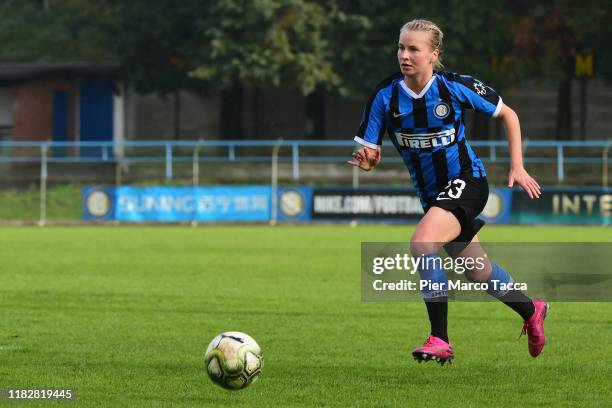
column 473, row 94
column 517, row 173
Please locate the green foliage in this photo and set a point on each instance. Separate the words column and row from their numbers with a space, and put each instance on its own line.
column 365, row 37
column 69, row 31
column 547, row 36
column 277, row 42
column 342, row 46
column 156, row 42
column 476, row 36
column 367, row 33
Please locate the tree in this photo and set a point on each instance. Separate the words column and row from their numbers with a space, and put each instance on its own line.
column 36, row 31
column 156, row 43
column 313, row 46
column 366, row 34
column 262, row 43
column 547, row 38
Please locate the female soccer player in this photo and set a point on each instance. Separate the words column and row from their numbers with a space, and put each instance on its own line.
column 422, row 108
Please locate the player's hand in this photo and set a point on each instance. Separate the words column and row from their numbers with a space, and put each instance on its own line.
column 365, row 158
column 523, row 179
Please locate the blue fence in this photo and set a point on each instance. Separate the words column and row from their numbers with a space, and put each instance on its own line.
column 170, row 152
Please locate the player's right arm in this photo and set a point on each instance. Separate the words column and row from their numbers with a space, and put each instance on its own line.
column 371, row 131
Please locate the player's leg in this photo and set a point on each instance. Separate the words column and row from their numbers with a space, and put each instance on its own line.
column 437, row 227
column 533, row 312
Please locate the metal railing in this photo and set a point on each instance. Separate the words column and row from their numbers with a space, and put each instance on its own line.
column 170, row 152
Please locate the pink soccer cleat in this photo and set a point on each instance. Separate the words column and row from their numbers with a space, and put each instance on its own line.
column 434, row 349
column 534, row 328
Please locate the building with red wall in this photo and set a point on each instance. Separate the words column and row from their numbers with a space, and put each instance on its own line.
column 60, row 102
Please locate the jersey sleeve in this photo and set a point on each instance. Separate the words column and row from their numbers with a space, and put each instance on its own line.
column 373, row 122
column 473, row 94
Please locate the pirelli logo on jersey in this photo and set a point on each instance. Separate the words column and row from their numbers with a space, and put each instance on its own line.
column 425, row 140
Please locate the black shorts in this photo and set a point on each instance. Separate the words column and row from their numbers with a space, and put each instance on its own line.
column 465, row 197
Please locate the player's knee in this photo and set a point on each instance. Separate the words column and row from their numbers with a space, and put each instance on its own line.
column 422, row 243
column 478, row 273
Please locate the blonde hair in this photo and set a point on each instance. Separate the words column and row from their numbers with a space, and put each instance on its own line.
column 437, row 36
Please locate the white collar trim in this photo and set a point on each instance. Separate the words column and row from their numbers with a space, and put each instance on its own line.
column 423, row 91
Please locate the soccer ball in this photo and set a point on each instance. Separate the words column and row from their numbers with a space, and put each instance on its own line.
column 233, row 360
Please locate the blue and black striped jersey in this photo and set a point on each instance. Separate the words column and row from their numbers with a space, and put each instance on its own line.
column 428, row 129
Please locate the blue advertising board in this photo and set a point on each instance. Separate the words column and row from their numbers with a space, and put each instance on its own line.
column 98, row 203
column 294, row 203
column 586, row 205
column 499, row 206
column 302, row 203
column 179, row 204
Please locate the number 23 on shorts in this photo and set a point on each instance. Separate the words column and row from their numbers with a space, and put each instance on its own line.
column 453, row 190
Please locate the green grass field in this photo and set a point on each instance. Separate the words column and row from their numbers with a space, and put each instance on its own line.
column 122, row 315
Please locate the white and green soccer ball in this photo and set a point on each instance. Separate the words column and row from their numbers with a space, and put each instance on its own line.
column 233, row 360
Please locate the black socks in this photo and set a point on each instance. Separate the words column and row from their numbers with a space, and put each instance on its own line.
column 437, row 309
column 519, row 302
